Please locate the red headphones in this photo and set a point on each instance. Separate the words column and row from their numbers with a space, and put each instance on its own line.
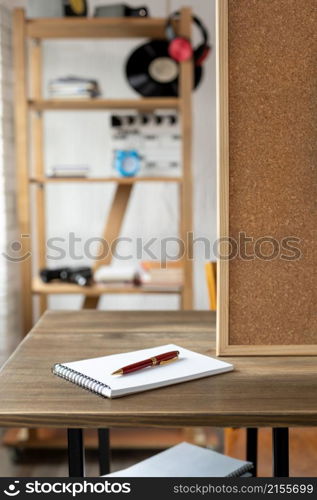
column 180, row 49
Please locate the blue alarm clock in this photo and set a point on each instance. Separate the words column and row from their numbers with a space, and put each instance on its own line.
column 127, row 162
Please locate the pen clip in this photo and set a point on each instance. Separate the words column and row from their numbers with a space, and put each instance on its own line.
column 168, row 361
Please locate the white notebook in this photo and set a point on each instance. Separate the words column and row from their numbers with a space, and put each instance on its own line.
column 95, row 374
column 186, row 460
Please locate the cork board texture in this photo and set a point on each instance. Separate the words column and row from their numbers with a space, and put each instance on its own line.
column 272, row 170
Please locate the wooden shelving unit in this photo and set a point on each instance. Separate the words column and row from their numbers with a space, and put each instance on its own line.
column 30, row 107
column 28, row 35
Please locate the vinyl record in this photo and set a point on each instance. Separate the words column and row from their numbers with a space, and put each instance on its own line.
column 153, row 73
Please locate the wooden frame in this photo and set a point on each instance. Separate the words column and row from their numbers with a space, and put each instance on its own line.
column 224, row 346
column 21, row 140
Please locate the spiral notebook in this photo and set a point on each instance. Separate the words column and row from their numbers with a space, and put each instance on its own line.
column 186, row 460
column 95, row 374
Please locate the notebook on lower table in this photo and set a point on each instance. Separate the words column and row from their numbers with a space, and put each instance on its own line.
column 187, row 460
column 95, row 374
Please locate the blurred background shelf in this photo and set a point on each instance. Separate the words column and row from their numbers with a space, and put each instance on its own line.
column 38, row 287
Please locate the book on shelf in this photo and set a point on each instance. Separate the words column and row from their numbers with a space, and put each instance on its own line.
column 73, row 95
column 73, row 88
column 146, row 274
column 117, row 274
column 153, row 273
column 69, row 171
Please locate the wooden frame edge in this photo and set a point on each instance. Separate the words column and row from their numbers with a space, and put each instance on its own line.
column 222, row 171
column 269, row 350
column 185, row 192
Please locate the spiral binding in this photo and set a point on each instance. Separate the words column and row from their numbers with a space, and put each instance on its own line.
column 242, row 470
column 88, row 383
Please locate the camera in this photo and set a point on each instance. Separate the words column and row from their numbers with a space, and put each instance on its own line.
column 81, row 276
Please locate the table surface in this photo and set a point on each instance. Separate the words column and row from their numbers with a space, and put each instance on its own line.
column 261, row 392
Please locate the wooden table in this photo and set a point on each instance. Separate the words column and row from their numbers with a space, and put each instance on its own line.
column 276, row 392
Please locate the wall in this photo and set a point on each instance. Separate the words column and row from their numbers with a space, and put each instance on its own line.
column 70, row 139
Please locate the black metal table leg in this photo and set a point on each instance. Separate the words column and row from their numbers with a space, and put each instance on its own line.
column 252, row 448
column 280, row 452
column 76, row 457
column 104, row 451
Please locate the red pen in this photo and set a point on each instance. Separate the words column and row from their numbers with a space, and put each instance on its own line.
column 158, row 360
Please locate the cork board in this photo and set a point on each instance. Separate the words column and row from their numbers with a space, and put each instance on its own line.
column 267, row 167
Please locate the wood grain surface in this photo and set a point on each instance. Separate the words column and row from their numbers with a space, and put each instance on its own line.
column 272, row 130
column 273, row 391
column 119, row 27
column 144, row 104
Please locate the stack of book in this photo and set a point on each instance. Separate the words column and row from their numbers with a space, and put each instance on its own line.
column 156, row 274
column 146, row 273
column 73, row 87
column 69, row 171
column 117, row 274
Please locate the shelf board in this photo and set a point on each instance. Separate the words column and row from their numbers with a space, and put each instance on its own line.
column 120, row 27
column 120, row 438
column 118, row 180
column 143, row 104
column 58, row 288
